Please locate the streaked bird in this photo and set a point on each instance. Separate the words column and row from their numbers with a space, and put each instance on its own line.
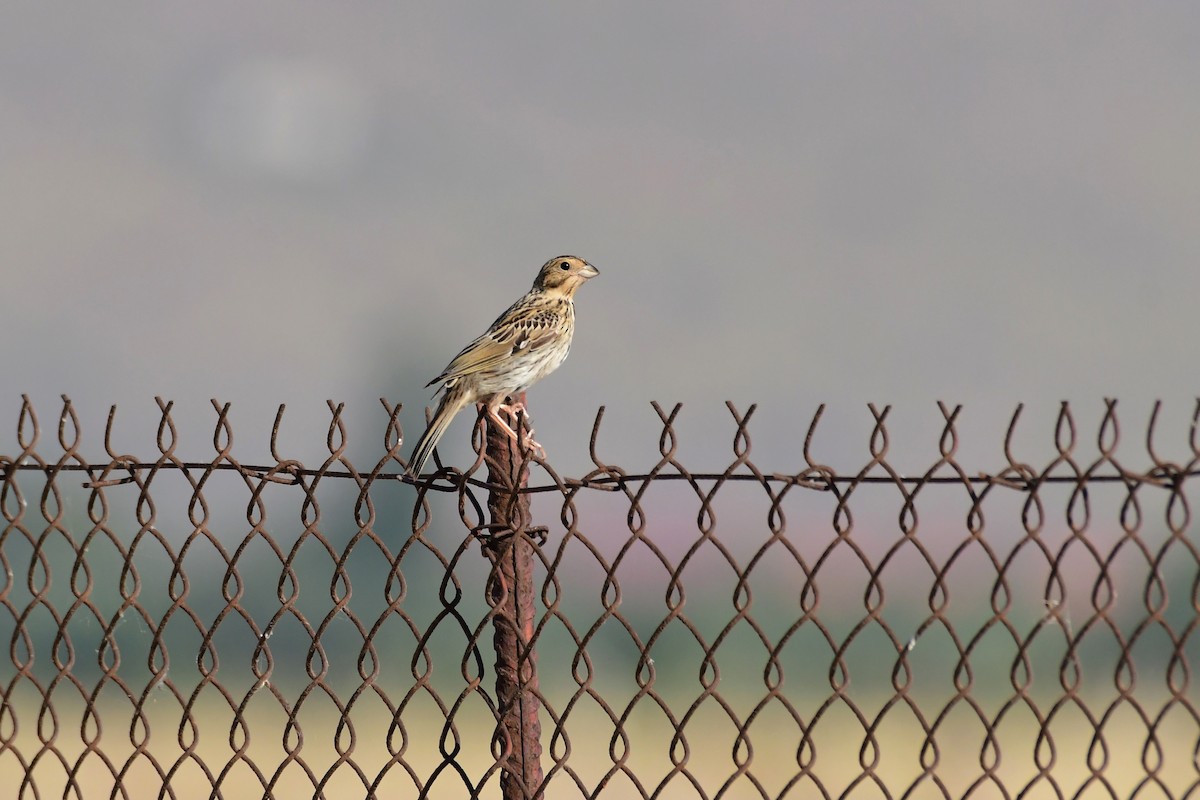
column 525, row 344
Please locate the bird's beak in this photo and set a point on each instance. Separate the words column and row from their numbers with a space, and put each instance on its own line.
column 589, row 271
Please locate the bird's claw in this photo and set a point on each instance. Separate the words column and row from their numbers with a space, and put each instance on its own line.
column 524, row 438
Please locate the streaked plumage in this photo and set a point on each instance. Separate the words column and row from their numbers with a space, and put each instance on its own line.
column 525, row 344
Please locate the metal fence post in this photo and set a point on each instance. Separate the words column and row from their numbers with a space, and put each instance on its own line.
column 510, row 593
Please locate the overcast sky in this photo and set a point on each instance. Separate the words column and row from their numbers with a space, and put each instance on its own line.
column 789, row 203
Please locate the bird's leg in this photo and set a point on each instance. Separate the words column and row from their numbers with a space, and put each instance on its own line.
column 517, row 404
column 526, row 441
column 501, row 421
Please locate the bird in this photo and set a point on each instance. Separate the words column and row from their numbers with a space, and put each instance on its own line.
column 525, row 344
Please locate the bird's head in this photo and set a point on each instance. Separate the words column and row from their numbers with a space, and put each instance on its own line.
column 564, row 274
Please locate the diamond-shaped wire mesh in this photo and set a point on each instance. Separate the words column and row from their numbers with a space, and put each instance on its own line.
column 216, row 629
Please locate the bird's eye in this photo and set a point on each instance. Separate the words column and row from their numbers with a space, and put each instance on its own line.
column 564, row 265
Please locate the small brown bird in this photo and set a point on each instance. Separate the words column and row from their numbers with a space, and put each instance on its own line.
column 525, row 344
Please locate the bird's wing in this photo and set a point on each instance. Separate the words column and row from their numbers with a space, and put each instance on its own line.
column 525, row 327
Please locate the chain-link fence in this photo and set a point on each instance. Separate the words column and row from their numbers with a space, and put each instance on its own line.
column 212, row 628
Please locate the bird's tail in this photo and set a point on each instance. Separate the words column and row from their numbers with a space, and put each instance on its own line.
column 452, row 402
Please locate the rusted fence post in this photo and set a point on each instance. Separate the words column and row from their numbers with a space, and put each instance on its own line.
column 510, row 593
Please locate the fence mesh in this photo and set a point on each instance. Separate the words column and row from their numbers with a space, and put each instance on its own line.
column 218, row 629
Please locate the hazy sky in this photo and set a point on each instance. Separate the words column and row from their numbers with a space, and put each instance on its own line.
column 790, row 203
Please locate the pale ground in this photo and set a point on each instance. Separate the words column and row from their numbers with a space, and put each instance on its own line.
column 837, row 738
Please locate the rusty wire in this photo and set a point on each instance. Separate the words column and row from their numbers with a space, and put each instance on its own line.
column 1025, row 631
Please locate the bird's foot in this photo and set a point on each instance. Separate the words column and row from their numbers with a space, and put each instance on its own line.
column 532, row 446
column 525, row 438
column 514, row 408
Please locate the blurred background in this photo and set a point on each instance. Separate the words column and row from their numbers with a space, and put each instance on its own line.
column 790, row 204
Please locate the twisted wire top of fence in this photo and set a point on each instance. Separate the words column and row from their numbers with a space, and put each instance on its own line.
column 1064, row 467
